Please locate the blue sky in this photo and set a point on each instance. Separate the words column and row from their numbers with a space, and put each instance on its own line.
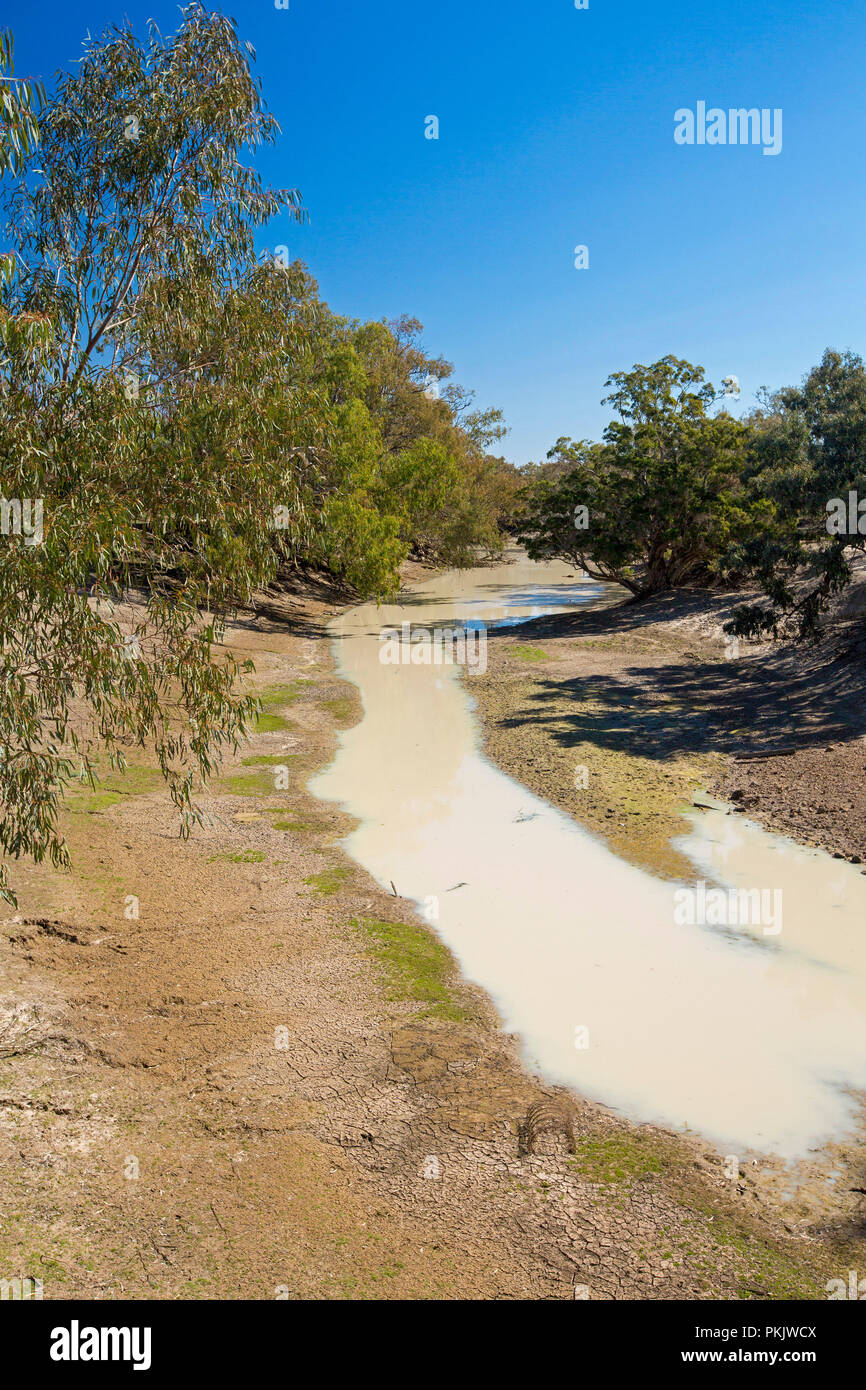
column 556, row 129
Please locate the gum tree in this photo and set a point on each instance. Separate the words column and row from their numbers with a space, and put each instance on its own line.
column 809, row 453
column 134, row 209
column 19, row 101
column 659, row 502
column 190, row 416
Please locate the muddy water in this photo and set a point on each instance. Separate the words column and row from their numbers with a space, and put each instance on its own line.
column 753, row 1036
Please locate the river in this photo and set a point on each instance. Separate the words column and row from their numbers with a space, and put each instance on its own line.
column 754, row 1037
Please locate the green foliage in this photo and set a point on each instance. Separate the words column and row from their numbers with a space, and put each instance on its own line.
column 243, row 856
column 19, row 129
column 619, row 1158
column 328, row 882
column 809, row 447
column 675, row 495
column 248, row 784
column 137, row 489
column 663, row 494
column 442, row 495
column 417, row 966
column 188, row 417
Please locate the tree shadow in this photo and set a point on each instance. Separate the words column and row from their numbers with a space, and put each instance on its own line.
column 616, row 613
column 760, row 704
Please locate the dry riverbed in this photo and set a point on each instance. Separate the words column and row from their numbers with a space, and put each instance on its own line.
column 265, row 1078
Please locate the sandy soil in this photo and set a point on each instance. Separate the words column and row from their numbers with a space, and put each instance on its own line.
column 231, row 1067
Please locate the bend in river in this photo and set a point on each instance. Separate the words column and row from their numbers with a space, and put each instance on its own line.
column 755, row 1040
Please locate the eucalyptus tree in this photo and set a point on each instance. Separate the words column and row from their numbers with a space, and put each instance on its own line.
column 19, row 100
column 185, row 416
column 131, row 281
column 809, row 460
column 661, row 500
column 446, row 495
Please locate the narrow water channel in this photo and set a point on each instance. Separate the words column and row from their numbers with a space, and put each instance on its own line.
column 755, row 1039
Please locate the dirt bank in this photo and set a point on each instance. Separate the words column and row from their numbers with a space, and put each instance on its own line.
column 232, row 1067
column 618, row 715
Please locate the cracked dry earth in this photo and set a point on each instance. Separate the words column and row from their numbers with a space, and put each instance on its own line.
column 231, row 1095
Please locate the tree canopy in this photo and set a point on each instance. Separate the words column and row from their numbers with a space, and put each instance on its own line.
column 808, row 458
column 184, row 417
column 661, row 499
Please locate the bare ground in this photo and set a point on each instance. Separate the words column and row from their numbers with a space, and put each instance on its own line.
column 232, row 1067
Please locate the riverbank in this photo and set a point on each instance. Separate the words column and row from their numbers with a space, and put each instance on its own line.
column 621, row 714
column 233, row 1067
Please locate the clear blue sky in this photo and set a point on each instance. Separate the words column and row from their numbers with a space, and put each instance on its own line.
column 556, row 128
